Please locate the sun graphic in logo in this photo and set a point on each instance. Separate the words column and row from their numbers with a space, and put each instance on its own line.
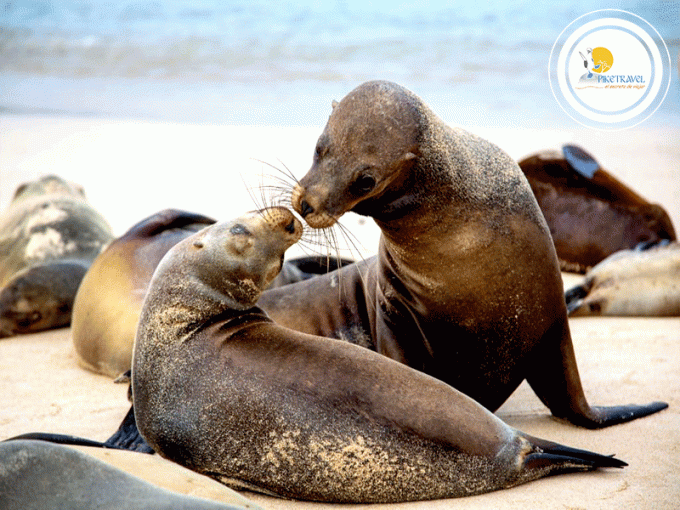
column 602, row 59
column 598, row 60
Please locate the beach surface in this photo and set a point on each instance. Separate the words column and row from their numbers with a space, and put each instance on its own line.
column 131, row 169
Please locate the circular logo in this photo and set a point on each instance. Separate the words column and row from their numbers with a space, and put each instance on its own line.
column 609, row 69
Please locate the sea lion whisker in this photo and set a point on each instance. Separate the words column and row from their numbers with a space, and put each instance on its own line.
column 253, row 197
column 352, row 240
column 286, row 173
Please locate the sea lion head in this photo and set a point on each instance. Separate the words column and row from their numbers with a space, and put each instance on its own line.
column 48, row 185
column 367, row 148
column 240, row 258
column 40, row 297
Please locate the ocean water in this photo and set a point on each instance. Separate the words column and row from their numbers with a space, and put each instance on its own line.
column 282, row 62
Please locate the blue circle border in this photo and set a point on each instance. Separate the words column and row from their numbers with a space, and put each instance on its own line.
column 665, row 72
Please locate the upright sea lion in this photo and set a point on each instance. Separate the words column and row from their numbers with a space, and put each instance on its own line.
column 49, row 236
column 590, row 213
column 466, row 285
column 630, row 283
column 221, row 389
column 109, row 301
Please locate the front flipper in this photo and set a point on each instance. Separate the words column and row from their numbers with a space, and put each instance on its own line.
column 555, row 379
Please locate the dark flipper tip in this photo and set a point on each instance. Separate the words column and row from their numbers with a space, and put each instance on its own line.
column 127, row 437
column 562, row 458
column 58, row 439
column 613, row 415
column 580, row 161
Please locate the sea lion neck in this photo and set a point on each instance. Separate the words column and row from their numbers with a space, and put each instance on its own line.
column 188, row 302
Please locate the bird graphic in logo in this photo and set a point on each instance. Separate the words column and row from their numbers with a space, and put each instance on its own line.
column 598, row 60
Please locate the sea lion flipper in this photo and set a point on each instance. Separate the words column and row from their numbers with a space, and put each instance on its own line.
column 64, row 439
column 548, row 453
column 580, row 161
column 165, row 220
column 612, row 415
column 127, row 437
column 555, row 379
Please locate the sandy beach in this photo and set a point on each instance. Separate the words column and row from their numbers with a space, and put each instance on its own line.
column 131, row 169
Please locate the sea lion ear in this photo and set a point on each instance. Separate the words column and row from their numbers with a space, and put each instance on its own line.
column 334, row 103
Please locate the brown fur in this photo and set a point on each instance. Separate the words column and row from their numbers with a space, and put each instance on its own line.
column 591, row 218
column 221, row 389
column 466, row 285
column 110, row 297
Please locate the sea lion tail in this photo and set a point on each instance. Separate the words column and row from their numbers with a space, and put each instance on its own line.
column 560, row 458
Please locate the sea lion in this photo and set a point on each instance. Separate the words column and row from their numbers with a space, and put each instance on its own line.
column 466, row 286
column 109, row 301
column 49, row 236
column 221, row 389
column 630, row 283
column 110, row 297
column 35, row 475
column 590, row 213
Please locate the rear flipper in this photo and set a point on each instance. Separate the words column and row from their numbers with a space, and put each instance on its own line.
column 560, row 458
column 127, row 437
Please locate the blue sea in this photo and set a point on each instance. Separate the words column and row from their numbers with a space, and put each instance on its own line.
column 282, row 62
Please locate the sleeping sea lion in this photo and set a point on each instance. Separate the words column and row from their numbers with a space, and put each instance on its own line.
column 49, row 236
column 590, row 213
column 630, row 283
column 36, row 475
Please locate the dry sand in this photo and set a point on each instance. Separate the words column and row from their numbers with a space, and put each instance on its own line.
column 131, row 169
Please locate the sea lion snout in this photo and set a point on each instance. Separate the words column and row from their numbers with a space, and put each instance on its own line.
column 280, row 218
column 309, row 205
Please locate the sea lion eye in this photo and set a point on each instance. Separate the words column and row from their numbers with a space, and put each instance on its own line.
column 363, row 184
column 239, row 229
column 321, row 147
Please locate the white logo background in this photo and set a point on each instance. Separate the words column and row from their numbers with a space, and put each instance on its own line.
column 637, row 49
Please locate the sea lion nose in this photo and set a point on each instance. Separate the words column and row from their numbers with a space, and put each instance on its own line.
column 290, row 228
column 305, row 208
